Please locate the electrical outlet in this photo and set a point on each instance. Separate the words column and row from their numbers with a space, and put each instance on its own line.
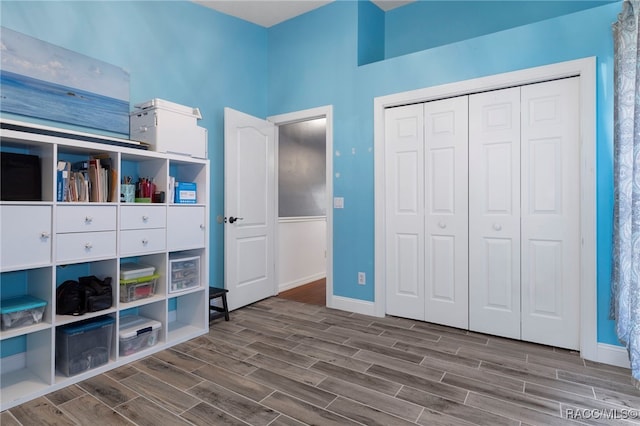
column 362, row 278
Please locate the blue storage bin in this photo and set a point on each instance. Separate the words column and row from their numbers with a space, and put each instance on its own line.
column 21, row 311
column 84, row 345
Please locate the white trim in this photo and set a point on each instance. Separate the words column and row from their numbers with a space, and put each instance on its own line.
column 613, row 355
column 302, row 219
column 354, row 305
column 308, row 114
column 301, row 281
column 586, row 69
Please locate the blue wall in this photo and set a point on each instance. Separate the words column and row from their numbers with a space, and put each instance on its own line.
column 178, row 51
column 185, row 53
column 425, row 24
column 310, row 67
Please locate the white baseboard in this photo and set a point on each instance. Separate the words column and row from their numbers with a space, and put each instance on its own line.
column 352, row 305
column 613, row 355
column 13, row 363
column 301, row 281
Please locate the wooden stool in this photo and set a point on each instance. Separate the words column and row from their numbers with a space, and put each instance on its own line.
column 214, row 311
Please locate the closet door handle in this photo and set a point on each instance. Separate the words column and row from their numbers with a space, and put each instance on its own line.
column 442, row 225
column 497, row 226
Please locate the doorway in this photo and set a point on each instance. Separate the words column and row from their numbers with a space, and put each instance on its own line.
column 304, row 231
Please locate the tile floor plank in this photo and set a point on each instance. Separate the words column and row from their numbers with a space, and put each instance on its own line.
column 285, row 363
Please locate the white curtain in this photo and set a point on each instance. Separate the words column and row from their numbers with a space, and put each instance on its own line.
column 626, row 233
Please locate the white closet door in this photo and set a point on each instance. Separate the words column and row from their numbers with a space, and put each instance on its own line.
column 550, row 213
column 404, row 190
column 446, row 212
column 494, row 212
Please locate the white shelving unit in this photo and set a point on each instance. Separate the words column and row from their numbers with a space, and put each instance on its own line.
column 47, row 242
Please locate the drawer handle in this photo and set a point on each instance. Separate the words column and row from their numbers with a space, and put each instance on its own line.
column 88, row 246
column 145, row 218
column 497, row 226
column 202, row 226
column 145, row 241
column 44, row 235
column 88, row 219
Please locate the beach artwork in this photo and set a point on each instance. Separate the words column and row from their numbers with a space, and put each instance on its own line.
column 45, row 81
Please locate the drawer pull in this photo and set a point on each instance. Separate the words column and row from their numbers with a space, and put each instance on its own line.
column 145, row 218
column 145, row 241
column 88, row 219
column 88, row 246
column 202, row 226
column 44, row 235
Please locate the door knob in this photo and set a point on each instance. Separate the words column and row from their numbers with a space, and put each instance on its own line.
column 233, row 219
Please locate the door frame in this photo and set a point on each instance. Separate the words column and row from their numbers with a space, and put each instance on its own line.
column 583, row 68
column 304, row 115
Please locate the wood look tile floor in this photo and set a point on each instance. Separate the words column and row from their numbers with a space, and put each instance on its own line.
column 280, row 362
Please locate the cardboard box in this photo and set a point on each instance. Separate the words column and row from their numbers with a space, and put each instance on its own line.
column 168, row 127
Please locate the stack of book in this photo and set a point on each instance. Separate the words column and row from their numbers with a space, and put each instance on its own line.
column 94, row 180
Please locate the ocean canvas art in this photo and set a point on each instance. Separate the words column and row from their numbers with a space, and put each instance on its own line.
column 41, row 80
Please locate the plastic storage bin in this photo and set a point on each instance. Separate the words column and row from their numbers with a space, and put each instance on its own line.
column 137, row 333
column 84, row 345
column 131, row 270
column 184, row 273
column 138, row 288
column 21, row 311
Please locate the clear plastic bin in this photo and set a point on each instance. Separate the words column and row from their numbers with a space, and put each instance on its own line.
column 184, row 273
column 84, row 345
column 138, row 288
column 137, row 333
column 21, row 311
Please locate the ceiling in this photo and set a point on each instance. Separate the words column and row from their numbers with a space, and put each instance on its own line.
column 267, row 13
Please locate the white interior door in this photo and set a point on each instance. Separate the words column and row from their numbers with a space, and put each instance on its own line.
column 494, row 212
column 446, row 212
column 249, row 265
column 404, row 211
column 550, row 213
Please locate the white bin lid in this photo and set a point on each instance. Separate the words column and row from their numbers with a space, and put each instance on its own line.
column 133, row 325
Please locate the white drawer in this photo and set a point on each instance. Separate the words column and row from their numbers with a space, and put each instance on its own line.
column 85, row 246
column 26, row 236
column 138, row 241
column 186, row 227
column 143, row 217
column 85, row 218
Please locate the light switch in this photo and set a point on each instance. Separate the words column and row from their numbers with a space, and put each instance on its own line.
column 338, row 202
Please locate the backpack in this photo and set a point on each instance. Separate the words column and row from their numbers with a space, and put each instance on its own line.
column 70, row 298
column 97, row 293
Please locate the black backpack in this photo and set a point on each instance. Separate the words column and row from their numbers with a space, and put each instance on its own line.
column 97, row 293
column 88, row 294
column 70, row 298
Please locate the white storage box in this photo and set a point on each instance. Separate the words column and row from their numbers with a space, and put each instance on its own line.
column 184, row 273
column 137, row 333
column 168, row 127
column 131, row 270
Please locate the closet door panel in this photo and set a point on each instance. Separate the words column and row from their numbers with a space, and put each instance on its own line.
column 404, row 189
column 550, row 213
column 494, row 212
column 446, row 212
